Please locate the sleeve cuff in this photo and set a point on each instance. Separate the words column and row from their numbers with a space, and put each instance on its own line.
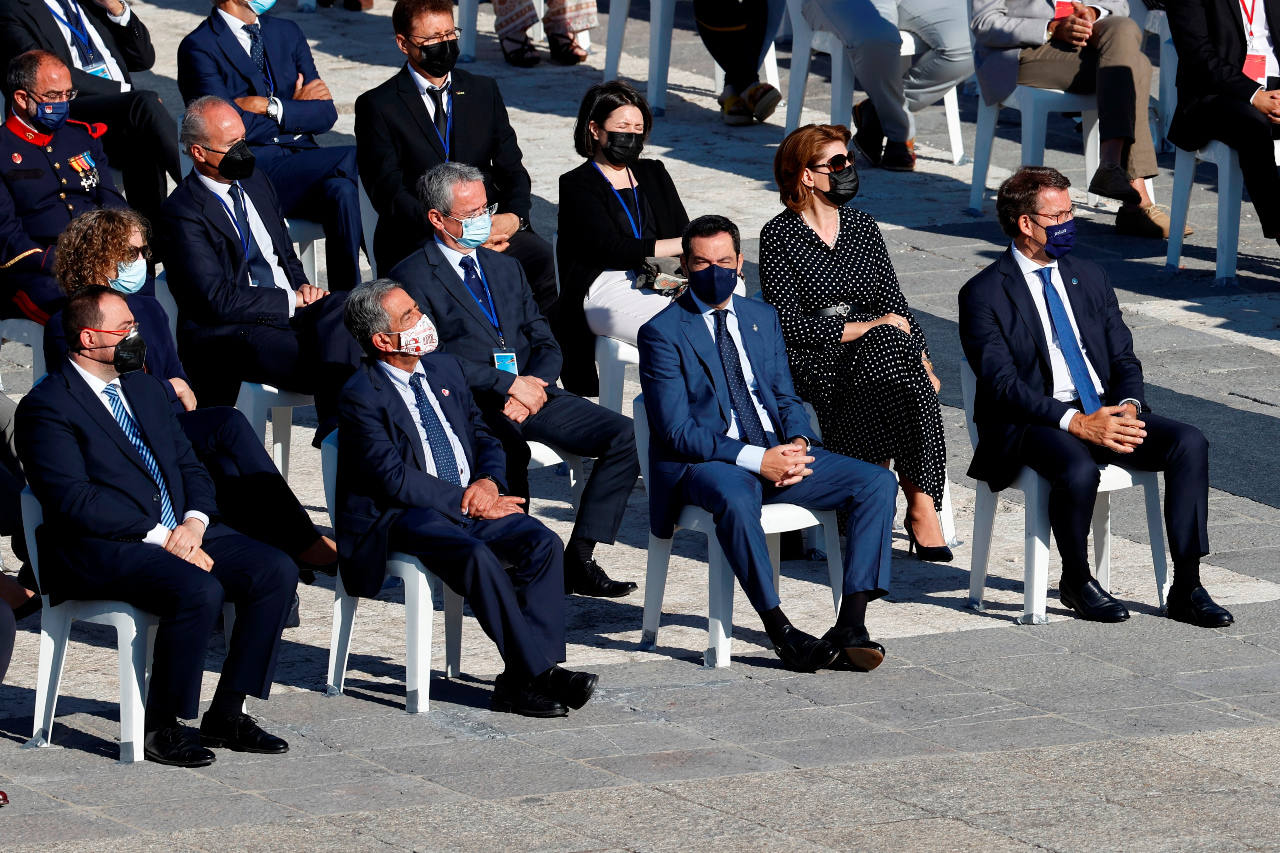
column 278, row 110
column 124, row 16
column 1102, row 13
column 1064, row 423
column 198, row 516
column 157, row 535
column 1137, row 404
column 293, row 301
column 750, row 457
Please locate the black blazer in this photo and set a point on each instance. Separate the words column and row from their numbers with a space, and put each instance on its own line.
column 382, row 467
column 396, row 143
column 465, row 331
column 1210, row 39
column 1006, row 346
column 98, row 498
column 208, row 273
column 594, row 236
column 29, row 25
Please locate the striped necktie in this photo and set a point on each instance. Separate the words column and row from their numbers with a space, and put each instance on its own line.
column 1071, row 352
column 131, row 431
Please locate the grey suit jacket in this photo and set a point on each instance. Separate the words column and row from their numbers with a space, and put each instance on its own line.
column 1002, row 28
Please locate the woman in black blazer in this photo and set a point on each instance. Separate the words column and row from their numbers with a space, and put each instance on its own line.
column 616, row 210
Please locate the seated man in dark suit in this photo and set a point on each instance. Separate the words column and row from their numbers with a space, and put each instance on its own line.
column 1060, row 391
column 729, row 434
column 127, row 510
column 51, row 171
column 264, row 67
column 1229, row 90
column 102, row 41
column 246, row 311
column 430, row 113
column 489, row 320
column 410, row 438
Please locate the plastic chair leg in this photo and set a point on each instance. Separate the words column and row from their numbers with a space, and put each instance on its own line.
column 948, row 517
column 983, row 140
column 774, row 541
column 612, row 376
column 281, row 433
column 419, row 611
column 841, row 89
column 984, row 517
column 1102, row 540
column 133, row 665
column 467, row 14
column 55, row 631
column 719, row 607
column 228, row 625
column 307, row 256
column 951, row 104
column 770, row 67
column 655, row 585
column 797, row 81
column 661, row 20
column 577, row 478
column 1034, row 128
column 1036, row 553
column 1092, row 147
column 835, row 562
column 1155, row 532
column 1184, row 175
column 452, row 633
column 1230, row 190
column 344, row 617
column 618, row 12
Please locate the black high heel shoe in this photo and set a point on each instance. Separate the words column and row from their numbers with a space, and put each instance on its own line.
column 926, row 553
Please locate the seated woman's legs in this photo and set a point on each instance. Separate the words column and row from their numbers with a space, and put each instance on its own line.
column 616, row 308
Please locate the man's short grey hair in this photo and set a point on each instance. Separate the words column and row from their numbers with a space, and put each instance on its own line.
column 435, row 188
column 195, row 129
column 364, row 314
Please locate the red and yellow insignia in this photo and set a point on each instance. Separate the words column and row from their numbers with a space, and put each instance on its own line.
column 16, row 157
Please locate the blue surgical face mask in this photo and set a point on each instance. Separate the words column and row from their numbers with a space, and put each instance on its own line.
column 131, row 276
column 713, row 284
column 475, row 231
column 259, row 7
column 1060, row 239
column 51, row 115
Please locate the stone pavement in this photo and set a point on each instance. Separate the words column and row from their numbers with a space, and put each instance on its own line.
column 975, row 734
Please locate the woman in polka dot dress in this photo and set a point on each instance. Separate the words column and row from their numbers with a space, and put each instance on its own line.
column 856, row 352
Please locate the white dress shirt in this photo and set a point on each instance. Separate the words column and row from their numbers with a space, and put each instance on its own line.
column 424, row 85
column 237, row 29
column 259, row 229
column 1064, row 389
column 159, row 534
column 1261, row 42
column 454, row 257
column 400, row 381
column 751, row 456
column 113, row 68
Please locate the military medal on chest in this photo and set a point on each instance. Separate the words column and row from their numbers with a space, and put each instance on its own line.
column 86, row 169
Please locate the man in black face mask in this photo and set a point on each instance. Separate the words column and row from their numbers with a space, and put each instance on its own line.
column 451, row 115
column 127, row 517
column 245, row 309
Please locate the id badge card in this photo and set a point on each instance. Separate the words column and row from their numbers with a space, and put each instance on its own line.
column 1255, row 67
column 98, row 69
column 1062, row 9
column 505, row 359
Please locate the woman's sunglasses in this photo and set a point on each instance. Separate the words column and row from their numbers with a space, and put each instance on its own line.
column 838, row 163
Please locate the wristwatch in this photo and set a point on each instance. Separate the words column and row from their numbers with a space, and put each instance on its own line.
column 524, row 223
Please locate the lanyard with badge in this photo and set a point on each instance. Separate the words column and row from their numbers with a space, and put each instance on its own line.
column 503, row 358
column 1255, row 62
column 97, row 66
column 244, row 238
column 637, row 221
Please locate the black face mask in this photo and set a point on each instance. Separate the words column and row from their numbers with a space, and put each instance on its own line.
column 237, row 163
column 438, row 59
column 844, row 185
column 622, row 149
column 130, row 355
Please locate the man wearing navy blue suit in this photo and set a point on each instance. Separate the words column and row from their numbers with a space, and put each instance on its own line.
column 127, row 517
column 419, row 472
column 729, row 434
column 1060, row 391
column 263, row 65
column 246, row 311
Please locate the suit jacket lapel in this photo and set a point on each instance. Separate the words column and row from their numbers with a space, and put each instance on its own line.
column 453, row 412
column 97, row 411
column 236, row 54
column 49, row 30
column 1096, row 351
column 1015, row 284
column 753, row 343
column 447, row 277
column 399, row 411
column 277, row 63
column 413, row 103
column 153, row 434
column 704, row 346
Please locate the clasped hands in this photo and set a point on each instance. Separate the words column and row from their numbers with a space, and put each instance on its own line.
column 1113, row 427
column 525, row 397
column 185, row 541
column 1268, row 103
column 1076, row 28
column 481, row 500
column 786, row 464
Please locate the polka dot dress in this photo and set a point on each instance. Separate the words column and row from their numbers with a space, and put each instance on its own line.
column 873, row 396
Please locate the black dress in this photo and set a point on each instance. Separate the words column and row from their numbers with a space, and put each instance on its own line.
column 873, row 396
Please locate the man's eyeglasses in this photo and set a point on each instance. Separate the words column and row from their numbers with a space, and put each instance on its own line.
column 491, row 210
column 427, row 41
column 132, row 327
column 838, row 163
column 1058, row 218
column 62, row 95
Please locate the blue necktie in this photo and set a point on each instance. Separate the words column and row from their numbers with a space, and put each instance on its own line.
column 260, row 272
column 1067, row 343
column 441, row 450
column 256, row 53
column 471, row 277
column 84, row 51
column 131, row 431
column 739, row 395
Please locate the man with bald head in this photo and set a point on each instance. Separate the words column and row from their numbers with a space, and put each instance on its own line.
column 246, row 311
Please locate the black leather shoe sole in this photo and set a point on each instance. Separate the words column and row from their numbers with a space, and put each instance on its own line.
column 505, row 705
column 614, row 589
column 1191, row 616
column 178, row 761
column 216, row 742
column 1109, row 613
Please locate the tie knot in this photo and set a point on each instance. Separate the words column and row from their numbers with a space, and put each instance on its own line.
column 111, row 391
column 235, row 190
column 1046, row 275
column 254, row 30
column 415, row 379
column 721, row 314
column 468, row 263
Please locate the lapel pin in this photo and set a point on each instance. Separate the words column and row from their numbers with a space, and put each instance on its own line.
column 754, row 327
column 444, row 391
column 1075, row 280
column 17, row 158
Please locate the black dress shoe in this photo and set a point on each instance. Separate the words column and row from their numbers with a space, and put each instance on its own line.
column 590, row 579
column 293, row 620
column 1197, row 608
column 174, row 745
column 860, row 652
column 1092, row 602
column 239, row 733
column 801, row 652
column 870, row 134
column 514, row 696
column 573, row 689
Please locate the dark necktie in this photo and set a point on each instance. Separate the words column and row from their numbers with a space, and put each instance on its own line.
column 441, row 118
column 260, row 272
column 1071, row 353
column 437, row 439
column 84, row 47
column 256, row 53
column 752, row 431
column 471, row 277
column 131, row 431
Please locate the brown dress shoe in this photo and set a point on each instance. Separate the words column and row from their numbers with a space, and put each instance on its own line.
column 899, row 156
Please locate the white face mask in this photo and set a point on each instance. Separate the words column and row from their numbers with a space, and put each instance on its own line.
column 420, row 338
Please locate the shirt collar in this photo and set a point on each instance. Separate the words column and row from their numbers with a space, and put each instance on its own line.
column 424, row 84
column 218, row 188
column 452, row 255
column 235, row 23
column 402, row 377
column 1028, row 266
column 704, row 309
column 96, row 385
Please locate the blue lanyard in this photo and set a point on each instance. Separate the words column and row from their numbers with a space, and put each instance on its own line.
column 81, row 32
column 637, row 222
column 244, row 240
column 448, row 133
column 266, row 66
column 487, row 307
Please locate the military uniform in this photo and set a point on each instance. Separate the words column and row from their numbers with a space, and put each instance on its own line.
column 46, row 180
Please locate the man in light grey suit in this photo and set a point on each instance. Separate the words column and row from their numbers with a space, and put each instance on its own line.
column 1083, row 49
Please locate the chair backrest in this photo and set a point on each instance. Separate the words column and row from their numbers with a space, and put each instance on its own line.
column 368, row 224
column 32, row 518
column 165, row 297
column 641, row 422
column 329, row 472
column 968, row 390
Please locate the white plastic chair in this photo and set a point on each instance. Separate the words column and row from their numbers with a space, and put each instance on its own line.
column 774, row 518
column 255, row 401
column 661, row 24
column 612, row 358
column 27, row 332
column 165, row 297
column 545, row 456
column 368, row 224
column 306, row 234
column 419, row 609
column 1035, row 491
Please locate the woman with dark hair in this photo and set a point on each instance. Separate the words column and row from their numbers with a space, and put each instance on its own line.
column 109, row 247
column 856, row 352
column 616, row 211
